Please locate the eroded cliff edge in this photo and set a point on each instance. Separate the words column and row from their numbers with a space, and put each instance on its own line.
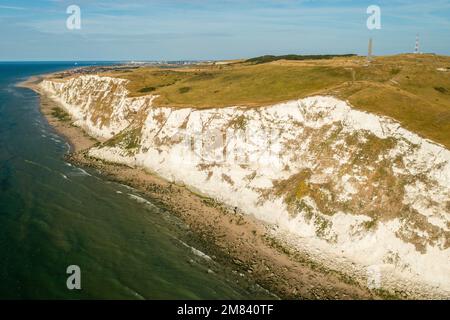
column 356, row 191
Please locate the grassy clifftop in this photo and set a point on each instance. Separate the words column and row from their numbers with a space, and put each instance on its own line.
column 295, row 57
column 413, row 89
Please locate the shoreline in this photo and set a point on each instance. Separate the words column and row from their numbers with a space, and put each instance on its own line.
column 235, row 240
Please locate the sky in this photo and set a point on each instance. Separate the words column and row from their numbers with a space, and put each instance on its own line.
column 33, row 30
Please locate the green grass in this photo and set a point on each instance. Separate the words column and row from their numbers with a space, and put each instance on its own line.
column 246, row 85
column 60, row 114
column 417, row 95
column 129, row 139
column 407, row 88
column 271, row 58
column 147, row 89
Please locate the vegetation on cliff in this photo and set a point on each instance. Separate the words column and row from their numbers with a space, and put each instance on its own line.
column 412, row 89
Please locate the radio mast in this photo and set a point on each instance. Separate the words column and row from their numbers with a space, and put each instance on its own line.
column 417, row 48
column 370, row 52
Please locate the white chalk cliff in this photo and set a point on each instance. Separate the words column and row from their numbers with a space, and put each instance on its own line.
column 353, row 190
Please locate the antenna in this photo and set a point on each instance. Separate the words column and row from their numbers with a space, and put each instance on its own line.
column 416, row 49
column 370, row 52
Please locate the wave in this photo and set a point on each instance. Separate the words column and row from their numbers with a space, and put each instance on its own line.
column 196, row 251
column 143, row 201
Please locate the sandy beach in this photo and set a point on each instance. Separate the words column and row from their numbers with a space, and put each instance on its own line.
column 231, row 238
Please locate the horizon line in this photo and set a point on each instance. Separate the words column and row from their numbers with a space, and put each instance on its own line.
column 203, row 60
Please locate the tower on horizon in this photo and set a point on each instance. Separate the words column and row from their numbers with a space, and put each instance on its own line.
column 417, row 47
column 370, row 51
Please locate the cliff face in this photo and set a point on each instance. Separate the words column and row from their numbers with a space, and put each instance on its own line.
column 98, row 105
column 354, row 190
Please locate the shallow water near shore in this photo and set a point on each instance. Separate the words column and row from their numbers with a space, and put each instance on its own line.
column 53, row 214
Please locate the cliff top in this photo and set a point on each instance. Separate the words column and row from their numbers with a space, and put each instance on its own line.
column 413, row 89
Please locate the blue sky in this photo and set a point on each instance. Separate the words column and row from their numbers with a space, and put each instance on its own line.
column 216, row 29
